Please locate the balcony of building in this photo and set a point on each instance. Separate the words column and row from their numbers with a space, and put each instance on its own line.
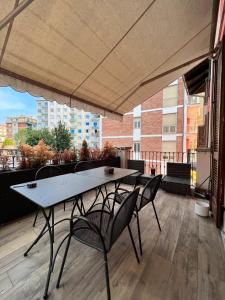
column 108, row 58
column 184, row 261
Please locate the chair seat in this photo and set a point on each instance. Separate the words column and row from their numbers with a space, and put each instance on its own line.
column 132, row 179
column 82, row 232
column 122, row 196
column 178, row 180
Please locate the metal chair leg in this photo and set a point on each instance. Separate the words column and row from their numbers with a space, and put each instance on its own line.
column 107, row 276
column 139, row 232
column 63, row 262
column 156, row 216
column 35, row 218
column 133, row 244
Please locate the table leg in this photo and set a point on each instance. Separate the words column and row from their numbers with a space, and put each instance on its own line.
column 45, row 296
column 96, row 198
column 39, row 236
column 53, row 223
column 117, row 185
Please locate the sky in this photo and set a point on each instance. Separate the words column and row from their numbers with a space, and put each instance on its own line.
column 13, row 103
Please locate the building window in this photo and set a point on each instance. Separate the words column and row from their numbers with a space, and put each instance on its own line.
column 137, row 123
column 137, row 147
column 87, row 123
column 195, row 100
column 170, row 96
column 168, row 149
column 95, row 124
column 88, row 116
column 79, row 131
column 169, row 123
column 87, row 130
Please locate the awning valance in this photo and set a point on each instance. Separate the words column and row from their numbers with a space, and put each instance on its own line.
column 96, row 55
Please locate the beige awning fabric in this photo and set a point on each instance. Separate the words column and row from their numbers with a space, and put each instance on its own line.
column 96, row 54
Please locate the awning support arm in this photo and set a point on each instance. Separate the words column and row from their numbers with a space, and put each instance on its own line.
column 15, row 12
column 176, row 68
column 164, row 74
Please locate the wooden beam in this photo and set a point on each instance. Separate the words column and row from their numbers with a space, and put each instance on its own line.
column 15, row 12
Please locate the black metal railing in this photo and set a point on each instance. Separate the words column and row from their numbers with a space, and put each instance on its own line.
column 158, row 160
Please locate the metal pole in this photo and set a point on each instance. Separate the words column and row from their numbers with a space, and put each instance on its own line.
column 15, row 12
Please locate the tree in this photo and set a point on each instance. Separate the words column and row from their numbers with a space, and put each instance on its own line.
column 34, row 136
column 8, row 142
column 62, row 137
column 21, row 136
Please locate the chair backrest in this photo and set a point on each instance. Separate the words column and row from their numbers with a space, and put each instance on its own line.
column 180, row 170
column 150, row 190
column 136, row 165
column 123, row 216
column 84, row 165
column 48, row 171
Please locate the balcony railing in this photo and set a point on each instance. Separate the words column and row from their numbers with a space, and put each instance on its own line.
column 158, row 160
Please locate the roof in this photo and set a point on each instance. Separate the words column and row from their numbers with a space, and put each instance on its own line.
column 102, row 56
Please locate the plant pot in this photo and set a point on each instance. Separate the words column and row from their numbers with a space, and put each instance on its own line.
column 55, row 161
column 202, row 208
column 153, row 171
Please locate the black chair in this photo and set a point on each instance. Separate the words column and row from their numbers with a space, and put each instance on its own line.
column 100, row 229
column 148, row 195
column 84, row 165
column 178, row 178
column 135, row 165
column 46, row 172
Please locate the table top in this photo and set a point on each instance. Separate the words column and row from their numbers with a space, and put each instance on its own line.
column 119, row 173
column 54, row 190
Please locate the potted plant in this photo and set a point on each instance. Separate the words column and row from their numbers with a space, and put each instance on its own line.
column 56, row 158
column 108, row 151
column 84, row 151
column 27, row 155
column 66, row 156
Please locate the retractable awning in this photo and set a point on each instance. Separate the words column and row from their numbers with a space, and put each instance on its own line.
column 102, row 56
column 195, row 79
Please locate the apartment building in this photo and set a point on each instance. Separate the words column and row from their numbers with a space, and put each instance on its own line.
column 82, row 125
column 2, row 132
column 195, row 118
column 14, row 124
column 159, row 124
